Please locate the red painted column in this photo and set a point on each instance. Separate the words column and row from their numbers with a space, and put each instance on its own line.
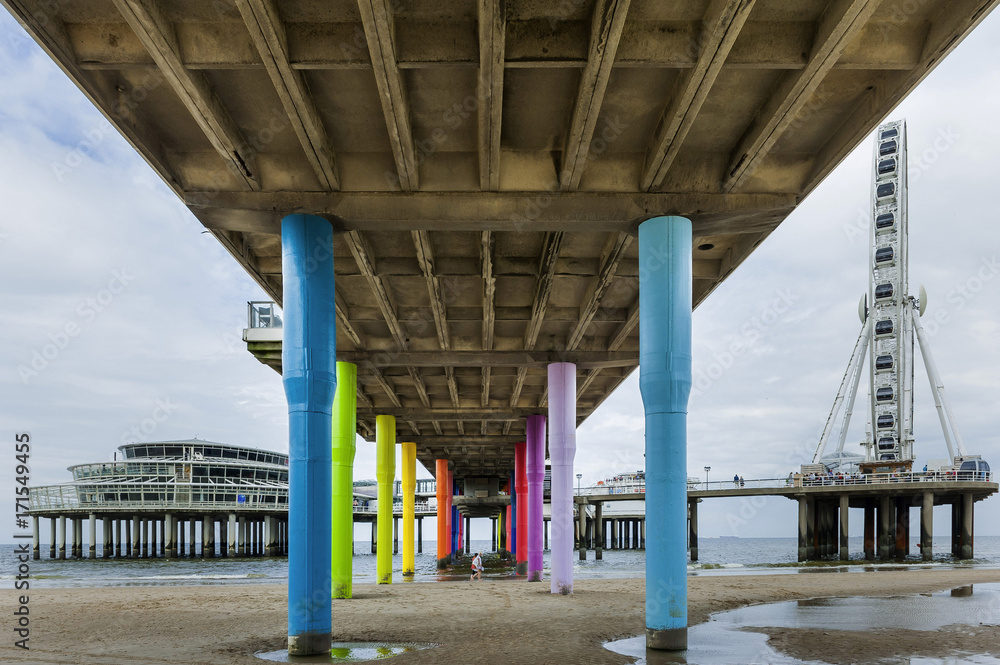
column 521, row 486
column 508, row 527
column 443, row 513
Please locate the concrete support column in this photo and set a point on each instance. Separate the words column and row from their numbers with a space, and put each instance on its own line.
column 343, row 450
column 614, row 534
column 169, row 535
column 845, row 507
column 192, row 532
column 308, row 359
column 870, row 530
column 902, row 540
column 206, row 539
column 443, row 536
column 409, row 486
column 52, row 537
column 665, row 283
column 967, row 526
column 92, row 543
column 581, row 513
column 535, row 475
column 243, row 535
column 599, row 531
column 117, row 545
column 545, row 534
column 693, row 529
column 562, row 450
column 811, row 536
column 803, row 528
column 395, row 535
column 231, row 535
column 420, row 535
column 642, row 534
column 163, row 536
column 521, row 485
column 73, row 531
column 374, row 535
column 465, row 535
column 956, row 527
column 179, row 548
column 512, row 521
column 136, row 534
column 885, row 523
column 927, row 527
column 36, row 551
column 152, row 538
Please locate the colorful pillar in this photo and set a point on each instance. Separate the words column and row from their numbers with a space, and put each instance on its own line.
column 443, row 535
column 451, row 514
column 521, row 483
column 513, row 515
column 508, row 527
column 535, row 472
column 665, row 383
column 409, row 485
column 343, row 445
column 385, row 472
column 308, row 361
column 562, row 450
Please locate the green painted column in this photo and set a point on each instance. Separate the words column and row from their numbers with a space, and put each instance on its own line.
column 409, row 458
column 385, row 472
column 345, row 409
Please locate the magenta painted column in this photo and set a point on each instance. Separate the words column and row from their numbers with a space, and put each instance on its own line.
column 521, row 485
column 562, row 450
column 536, row 475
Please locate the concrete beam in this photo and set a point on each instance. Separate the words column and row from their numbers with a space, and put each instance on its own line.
column 492, row 42
column 605, row 34
column 154, row 30
column 377, row 18
column 840, row 25
column 263, row 22
column 722, row 25
column 711, row 213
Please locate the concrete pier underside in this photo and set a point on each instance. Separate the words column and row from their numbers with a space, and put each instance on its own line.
column 485, row 167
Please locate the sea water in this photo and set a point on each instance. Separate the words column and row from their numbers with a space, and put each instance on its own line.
column 717, row 556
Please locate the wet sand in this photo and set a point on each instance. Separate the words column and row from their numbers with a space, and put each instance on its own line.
column 505, row 621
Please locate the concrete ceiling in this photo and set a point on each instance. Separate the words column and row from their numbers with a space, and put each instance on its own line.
column 486, row 163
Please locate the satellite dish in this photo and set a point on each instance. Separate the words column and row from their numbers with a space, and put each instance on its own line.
column 923, row 300
column 863, row 308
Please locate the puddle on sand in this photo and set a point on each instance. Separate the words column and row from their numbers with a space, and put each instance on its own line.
column 721, row 641
column 348, row 652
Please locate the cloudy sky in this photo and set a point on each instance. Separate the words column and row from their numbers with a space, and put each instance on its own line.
column 142, row 311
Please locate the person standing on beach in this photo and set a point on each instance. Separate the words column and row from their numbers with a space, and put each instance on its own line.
column 477, row 567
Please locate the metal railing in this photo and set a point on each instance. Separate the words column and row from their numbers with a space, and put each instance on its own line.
column 800, row 481
column 263, row 314
column 112, row 497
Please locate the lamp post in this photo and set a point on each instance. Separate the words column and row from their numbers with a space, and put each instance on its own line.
column 578, row 477
column 707, row 469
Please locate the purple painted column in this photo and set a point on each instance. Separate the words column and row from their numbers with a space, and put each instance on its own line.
column 562, row 450
column 536, row 476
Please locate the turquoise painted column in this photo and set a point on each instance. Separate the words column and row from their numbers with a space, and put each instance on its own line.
column 665, row 383
column 308, row 364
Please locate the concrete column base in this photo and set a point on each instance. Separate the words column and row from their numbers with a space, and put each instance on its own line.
column 444, row 562
column 668, row 639
column 309, row 644
column 521, row 568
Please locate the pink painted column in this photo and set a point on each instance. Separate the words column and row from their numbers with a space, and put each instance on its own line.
column 562, row 450
column 521, row 483
column 535, row 471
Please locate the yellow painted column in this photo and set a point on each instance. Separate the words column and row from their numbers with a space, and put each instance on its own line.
column 345, row 403
column 385, row 473
column 409, row 459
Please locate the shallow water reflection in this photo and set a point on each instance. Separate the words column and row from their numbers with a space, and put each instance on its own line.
column 348, row 652
column 722, row 639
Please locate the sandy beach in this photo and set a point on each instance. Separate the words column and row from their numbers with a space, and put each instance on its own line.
column 510, row 622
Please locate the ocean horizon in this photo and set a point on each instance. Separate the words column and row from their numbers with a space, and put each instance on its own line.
column 717, row 556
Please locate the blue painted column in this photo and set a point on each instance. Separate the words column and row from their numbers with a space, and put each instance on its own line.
column 309, row 372
column 665, row 383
